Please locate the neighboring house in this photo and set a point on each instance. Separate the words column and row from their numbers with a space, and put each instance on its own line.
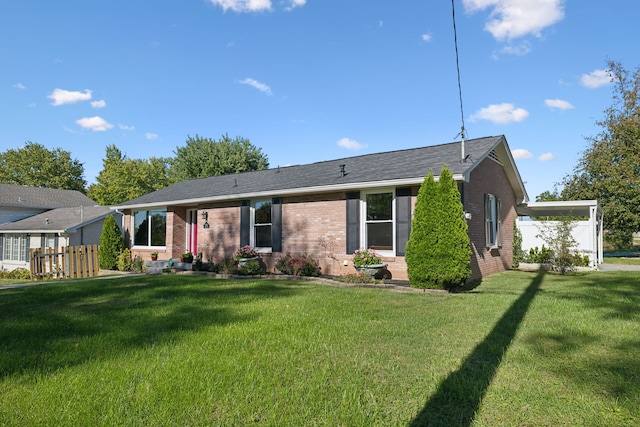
column 39, row 217
column 330, row 209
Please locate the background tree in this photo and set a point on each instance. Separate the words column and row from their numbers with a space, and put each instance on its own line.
column 36, row 166
column 111, row 244
column 123, row 179
column 438, row 250
column 204, row 157
column 609, row 169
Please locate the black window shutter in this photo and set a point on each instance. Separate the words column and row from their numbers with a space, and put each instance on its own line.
column 403, row 219
column 43, row 240
column 276, row 225
column 353, row 222
column 245, row 223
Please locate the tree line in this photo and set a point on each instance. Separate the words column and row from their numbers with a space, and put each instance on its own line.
column 123, row 178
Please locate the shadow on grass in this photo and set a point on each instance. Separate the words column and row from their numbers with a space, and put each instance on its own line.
column 47, row 328
column 458, row 397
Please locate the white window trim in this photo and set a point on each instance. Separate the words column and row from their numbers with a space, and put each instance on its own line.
column 133, row 228
column 23, row 244
column 495, row 223
column 252, row 224
column 363, row 219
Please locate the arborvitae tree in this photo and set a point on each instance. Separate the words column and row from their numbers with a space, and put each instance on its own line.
column 438, row 251
column 111, row 244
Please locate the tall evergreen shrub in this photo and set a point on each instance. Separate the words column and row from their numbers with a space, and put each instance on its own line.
column 111, row 244
column 438, row 251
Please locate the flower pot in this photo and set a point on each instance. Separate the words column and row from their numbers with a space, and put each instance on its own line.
column 154, row 257
column 373, row 270
column 243, row 261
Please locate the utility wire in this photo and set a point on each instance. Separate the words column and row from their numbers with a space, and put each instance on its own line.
column 455, row 41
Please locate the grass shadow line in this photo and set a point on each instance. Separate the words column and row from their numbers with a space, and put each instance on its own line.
column 458, row 397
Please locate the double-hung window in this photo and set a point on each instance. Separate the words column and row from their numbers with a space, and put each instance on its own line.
column 262, row 224
column 493, row 223
column 379, row 221
column 150, row 227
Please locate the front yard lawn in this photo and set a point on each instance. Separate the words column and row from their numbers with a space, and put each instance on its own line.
column 526, row 349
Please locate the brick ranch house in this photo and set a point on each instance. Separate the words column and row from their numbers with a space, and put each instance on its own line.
column 330, row 209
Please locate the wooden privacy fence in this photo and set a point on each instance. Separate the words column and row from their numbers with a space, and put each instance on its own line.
column 71, row 261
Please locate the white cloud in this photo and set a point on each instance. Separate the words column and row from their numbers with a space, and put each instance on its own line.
column 546, row 157
column 517, row 50
column 151, row 136
column 596, row 79
column 95, row 123
column 521, row 153
column 256, row 84
column 98, row 104
column 61, row 96
column 501, row 113
column 510, row 19
column 19, row 86
column 559, row 104
column 295, row 3
column 243, row 5
column 426, row 37
column 127, row 128
column 350, row 144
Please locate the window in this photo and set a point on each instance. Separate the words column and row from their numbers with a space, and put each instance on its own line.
column 379, row 221
column 150, row 228
column 262, row 224
column 49, row 241
column 15, row 247
column 493, row 234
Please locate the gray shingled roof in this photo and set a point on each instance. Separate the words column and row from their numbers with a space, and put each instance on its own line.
column 398, row 165
column 58, row 220
column 41, row 198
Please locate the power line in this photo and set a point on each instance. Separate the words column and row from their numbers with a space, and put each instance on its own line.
column 455, row 41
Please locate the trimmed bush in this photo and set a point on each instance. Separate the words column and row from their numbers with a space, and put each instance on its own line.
column 125, row 263
column 438, row 251
column 298, row 265
column 111, row 244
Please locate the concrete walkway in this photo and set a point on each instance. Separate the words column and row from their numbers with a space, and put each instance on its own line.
column 618, row 267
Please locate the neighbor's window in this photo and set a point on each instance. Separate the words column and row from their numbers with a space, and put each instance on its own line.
column 15, row 247
column 379, row 221
column 262, row 224
column 49, row 240
column 150, row 228
column 493, row 233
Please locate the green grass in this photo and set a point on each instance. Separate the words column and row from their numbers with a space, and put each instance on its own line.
column 622, row 260
column 524, row 349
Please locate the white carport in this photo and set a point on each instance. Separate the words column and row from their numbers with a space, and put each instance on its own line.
column 588, row 233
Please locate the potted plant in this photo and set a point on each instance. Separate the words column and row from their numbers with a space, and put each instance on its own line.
column 154, row 256
column 245, row 254
column 186, row 257
column 367, row 261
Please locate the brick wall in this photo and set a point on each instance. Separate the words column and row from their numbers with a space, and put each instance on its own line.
column 316, row 225
column 489, row 177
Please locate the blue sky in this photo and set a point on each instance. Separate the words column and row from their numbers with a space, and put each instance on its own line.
column 311, row 80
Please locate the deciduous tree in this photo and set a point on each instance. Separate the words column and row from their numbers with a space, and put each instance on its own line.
column 609, row 169
column 123, row 179
column 204, row 157
column 35, row 165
